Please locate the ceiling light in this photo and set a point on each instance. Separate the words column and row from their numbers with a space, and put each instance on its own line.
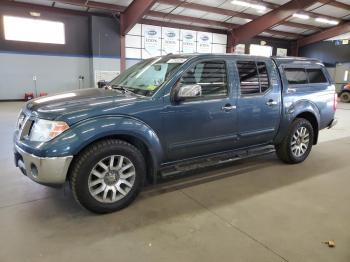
column 326, row 21
column 35, row 14
column 301, row 16
column 250, row 5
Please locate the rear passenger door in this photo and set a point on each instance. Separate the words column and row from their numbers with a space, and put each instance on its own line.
column 259, row 101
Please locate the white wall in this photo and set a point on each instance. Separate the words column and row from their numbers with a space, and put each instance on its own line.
column 53, row 73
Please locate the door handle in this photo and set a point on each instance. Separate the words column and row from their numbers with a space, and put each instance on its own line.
column 228, row 107
column 271, row 103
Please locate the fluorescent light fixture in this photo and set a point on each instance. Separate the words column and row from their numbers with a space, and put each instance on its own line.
column 35, row 14
column 301, row 16
column 250, row 5
column 346, row 74
column 33, row 30
column 326, row 21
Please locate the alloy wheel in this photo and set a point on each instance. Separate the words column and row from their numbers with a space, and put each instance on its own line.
column 111, row 179
column 300, row 141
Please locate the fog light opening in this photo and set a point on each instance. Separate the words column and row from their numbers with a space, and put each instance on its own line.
column 34, row 170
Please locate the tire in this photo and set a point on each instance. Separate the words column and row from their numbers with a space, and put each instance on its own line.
column 293, row 150
column 345, row 97
column 94, row 170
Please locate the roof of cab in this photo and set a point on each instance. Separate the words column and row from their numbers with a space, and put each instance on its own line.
column 282, row 60
column 279, row 60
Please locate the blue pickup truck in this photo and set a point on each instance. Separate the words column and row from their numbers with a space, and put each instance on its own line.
column 168, row 114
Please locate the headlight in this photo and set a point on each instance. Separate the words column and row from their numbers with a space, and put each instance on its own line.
column 45, row 130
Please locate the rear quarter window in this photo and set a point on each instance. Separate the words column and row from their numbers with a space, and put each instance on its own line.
column 316, row 76
column 296, row 76
column 300, row 76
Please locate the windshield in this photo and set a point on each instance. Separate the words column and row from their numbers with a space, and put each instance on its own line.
column 147, row 76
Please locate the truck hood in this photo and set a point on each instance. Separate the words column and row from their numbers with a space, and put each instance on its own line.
column 79, row 104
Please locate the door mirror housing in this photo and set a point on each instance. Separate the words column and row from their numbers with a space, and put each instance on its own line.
column 102, row 83
column 189, row 91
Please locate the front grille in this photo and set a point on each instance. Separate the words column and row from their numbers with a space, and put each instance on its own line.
column 20, row 120
column 24, row 125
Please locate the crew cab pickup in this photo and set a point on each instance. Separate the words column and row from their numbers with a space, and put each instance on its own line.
column 165, row 113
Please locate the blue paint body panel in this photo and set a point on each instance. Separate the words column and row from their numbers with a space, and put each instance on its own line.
column 177, row 131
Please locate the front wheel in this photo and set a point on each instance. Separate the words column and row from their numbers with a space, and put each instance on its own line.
column 107, row 176
column 297, row 144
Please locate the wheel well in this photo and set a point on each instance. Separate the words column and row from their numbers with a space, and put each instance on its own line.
column 140, row 145
column 313, row 121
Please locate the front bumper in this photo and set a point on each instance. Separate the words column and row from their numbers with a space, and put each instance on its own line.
column 50, row 171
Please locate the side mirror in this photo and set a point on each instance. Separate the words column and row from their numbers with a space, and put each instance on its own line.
column 189, row 91
column 101, row 83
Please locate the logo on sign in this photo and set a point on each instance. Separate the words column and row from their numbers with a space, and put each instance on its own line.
column 152, row 32
column 205, row 38
column 170, row 34
column 188, row 36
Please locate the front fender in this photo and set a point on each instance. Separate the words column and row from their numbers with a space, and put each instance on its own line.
column 291, row 112
column 86, row 132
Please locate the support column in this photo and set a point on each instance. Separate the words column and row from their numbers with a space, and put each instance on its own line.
column 122, row 45
column 122, row 53
column 295, row 49
column 230, row 48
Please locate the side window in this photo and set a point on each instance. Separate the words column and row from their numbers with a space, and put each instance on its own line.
column 253, row 77
column 263, row 77
column 210, row 75
column 316, row 76
column 296, row 76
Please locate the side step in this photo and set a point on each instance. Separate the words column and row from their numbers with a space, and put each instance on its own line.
column 226, row 157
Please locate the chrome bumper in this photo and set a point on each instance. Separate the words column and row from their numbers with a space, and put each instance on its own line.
column 43, row 170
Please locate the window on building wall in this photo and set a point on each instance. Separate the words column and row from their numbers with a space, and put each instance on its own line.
column 33, row 30
column 261, row 50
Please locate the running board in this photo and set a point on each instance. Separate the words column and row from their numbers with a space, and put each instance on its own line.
column 219, row 159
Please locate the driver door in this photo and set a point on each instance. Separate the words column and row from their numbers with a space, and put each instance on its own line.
column 204, row 124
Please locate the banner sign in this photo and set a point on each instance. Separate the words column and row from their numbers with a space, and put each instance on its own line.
column 152, row 39
column 188, row 41
column 170, row 40
column 204, row 42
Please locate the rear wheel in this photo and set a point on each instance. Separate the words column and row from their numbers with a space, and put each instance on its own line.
column 297, row 145
column 345, row 97
column 107, row 176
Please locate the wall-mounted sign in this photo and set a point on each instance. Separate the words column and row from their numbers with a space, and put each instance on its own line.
column 345, row 41
column 281, row 52
column 188, row 41
column 170, row 40
column 152, row 40
column 239, row 49
column 204, row 41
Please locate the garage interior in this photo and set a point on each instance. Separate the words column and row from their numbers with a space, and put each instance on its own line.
column 256, row 209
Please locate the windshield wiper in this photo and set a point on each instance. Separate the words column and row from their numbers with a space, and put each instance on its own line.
column 124, row 89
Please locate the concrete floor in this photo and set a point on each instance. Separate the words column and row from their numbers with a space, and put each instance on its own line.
column 254, row 210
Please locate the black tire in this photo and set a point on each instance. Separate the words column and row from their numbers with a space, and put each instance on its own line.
column 345, row 97
column 284, row 149
column 87, row 160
